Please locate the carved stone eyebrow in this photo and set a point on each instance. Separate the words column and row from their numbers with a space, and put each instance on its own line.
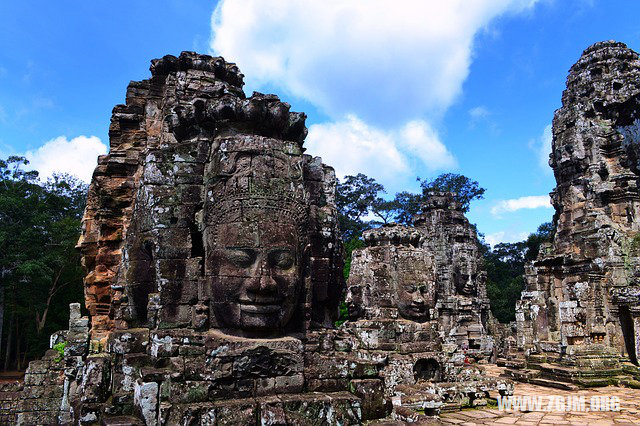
column 240, row 256
column 289, row 249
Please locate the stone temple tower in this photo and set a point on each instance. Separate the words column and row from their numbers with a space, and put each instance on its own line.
column 211, row 248
column 581, row 304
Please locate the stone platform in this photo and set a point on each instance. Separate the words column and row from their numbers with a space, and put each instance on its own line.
column 629, row 408
column 490, row 415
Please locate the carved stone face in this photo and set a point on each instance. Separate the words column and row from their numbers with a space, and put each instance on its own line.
column 256, row 275
column 355, row 306
column 415, row 285
column 465, row 277
column 414, row 301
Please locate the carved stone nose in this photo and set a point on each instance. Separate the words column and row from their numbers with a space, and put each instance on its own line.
column 267, row 283
column 262, row 282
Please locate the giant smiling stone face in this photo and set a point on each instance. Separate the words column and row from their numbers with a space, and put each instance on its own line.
column 465, row 274
column 256, row 274
column 414, row 300
column 415, row 285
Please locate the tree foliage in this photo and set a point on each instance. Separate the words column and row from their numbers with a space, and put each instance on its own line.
column 544, row 234
column 466, row 190
column 505, row 270
column 405, row 205
column 361, row 205
column 39, row 267
column 355, row 197
column 359, row 197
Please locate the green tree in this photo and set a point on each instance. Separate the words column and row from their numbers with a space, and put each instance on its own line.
column 466, row 190
column 354, row 199
column 505, row 270
column 407, row 204
column 544, row 234
column 40, row 269
column 384, row 210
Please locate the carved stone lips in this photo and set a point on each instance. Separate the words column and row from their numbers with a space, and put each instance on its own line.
column 419, row 309
column 260, row 306
column 260, row 309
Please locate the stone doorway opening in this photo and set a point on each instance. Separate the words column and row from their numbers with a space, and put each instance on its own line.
column 629, row 333
column 427, row 370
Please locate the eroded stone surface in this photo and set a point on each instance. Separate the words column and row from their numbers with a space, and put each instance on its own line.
column 580, row 306
column 418, row 308
column 212, row 251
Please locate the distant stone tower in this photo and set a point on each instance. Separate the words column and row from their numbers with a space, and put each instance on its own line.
column 582, row 295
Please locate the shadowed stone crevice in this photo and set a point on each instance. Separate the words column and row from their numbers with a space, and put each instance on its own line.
column 427, row 369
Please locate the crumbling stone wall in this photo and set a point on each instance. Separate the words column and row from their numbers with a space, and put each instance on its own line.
column 582, row 291
column 10, row 394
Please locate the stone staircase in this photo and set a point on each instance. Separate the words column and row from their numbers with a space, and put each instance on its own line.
column 581, row 366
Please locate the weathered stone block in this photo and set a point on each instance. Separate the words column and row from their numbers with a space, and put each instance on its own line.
column 128, row 341
column 96, row 379
column 371, row 393
column 145, row 400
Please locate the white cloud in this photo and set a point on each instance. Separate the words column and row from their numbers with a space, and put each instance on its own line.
column 386, row 61
column 481, row 114
column 529, row 202
column 77, row 156
column 542, row 147
column 422, row 142
column 478, row 113
column 351, row 146
column 505, row 237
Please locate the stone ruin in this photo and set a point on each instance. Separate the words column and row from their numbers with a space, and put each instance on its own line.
column 578, row 321
column 214, row 271
column 417, row 304
column 211, row 245
column 214, row 276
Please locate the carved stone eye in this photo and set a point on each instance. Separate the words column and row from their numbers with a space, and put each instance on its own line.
column 281, row 258
column 240, row 257
column 410, row 288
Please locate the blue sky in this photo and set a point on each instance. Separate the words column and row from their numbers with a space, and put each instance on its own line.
column 393, row 89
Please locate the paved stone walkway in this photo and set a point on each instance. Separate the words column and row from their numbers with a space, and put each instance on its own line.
column 629, row 408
